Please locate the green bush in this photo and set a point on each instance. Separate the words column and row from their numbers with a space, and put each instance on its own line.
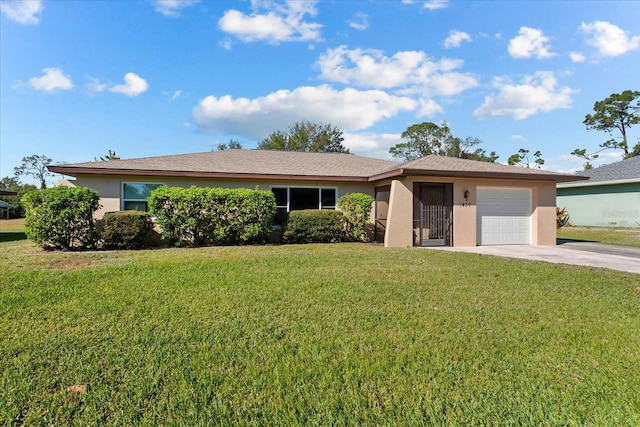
column 61, row 217
column 213, row 216
column 126, row 230
column 314, row 226
column 357, row 210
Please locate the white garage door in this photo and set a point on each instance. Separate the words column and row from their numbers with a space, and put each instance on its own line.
column 504, row 216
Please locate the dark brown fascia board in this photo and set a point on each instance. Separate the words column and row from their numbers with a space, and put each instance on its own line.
column 473, row 174
column 8, row 193
column 72, row 171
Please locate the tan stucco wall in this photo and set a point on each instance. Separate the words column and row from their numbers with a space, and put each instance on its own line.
column 399, row 231
column 400, row 222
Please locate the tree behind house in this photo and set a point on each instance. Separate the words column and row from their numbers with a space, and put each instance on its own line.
column 428, row 138
column 306, row 136
column 36, row 167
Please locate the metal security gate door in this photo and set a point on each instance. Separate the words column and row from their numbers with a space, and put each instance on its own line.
column 433, row 225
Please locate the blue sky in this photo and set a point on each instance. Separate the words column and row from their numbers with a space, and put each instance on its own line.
column 147, row 78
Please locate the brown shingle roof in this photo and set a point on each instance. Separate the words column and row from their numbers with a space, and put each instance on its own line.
column 239, row 163
column 302, row 165
column 450, row 166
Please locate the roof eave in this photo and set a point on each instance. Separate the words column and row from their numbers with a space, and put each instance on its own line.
column 75, row 171
column 477, row 174
column 598, row 183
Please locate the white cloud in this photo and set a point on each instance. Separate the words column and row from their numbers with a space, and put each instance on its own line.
column 410, row 72
column 518, row 137
column 22, row 11
column 609, row 39
column 371, row 144
column 577, row 57
column 281, row 22
column 360, row 21
column 537, row 93
column 172, row 7
column 133, row 85
column 52, row 80
column 530, row 42
column 429, row 108
column 348, row 109
column 456, row 38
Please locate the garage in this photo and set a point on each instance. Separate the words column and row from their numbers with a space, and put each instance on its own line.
column 503, row 216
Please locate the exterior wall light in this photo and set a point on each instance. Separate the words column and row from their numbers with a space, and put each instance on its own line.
column 466, row 194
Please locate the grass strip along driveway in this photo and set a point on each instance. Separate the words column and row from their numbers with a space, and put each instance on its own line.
column 314, row 334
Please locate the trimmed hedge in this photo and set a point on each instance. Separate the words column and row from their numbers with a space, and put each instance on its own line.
column 314, row 226
column 61, row 217
column 357, row 210
column 126, row 230
column 198, row 216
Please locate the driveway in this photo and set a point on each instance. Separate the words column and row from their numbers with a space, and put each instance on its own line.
column 622, row 258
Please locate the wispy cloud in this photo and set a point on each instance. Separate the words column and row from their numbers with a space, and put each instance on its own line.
column 456, row 38
column 577, row 57
column 359, row 22
column 95, row 85
column 52, row 80
column 430, row 4
column 172, row 7
column 22, row 11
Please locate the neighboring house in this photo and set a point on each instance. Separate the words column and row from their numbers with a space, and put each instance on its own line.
column 5, row 205
column 430, row 201
column 611, row 196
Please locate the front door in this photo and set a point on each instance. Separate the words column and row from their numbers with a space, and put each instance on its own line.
column 432, row 221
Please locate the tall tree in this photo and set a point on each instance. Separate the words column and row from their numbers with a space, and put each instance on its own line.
column 521, row 158
column 306, row 136
column 35, row 166
column 233, row 144
column 618, row 112
column 428, row 138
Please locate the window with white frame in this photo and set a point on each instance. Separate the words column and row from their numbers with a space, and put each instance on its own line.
column 299, row 198
column 136, row 194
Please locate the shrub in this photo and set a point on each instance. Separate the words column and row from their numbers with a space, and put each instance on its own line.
column 562, row 217
column 126, row 230
column 357, row 209
column 213, row 216
column 314, row 226
column 61, row 217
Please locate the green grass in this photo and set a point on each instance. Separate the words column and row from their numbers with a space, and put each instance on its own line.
column 614, row 236
column 341, row 334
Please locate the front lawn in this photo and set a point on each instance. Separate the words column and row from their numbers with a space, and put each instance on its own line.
column 613, row 236
column 314, row 335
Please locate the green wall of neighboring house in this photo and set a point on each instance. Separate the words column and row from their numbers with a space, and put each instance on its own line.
column 616, row 205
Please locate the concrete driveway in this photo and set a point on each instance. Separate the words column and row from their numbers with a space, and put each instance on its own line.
column 622, row 258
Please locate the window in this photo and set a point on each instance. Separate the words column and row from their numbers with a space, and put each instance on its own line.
column 135, row 195
column 301, row 198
